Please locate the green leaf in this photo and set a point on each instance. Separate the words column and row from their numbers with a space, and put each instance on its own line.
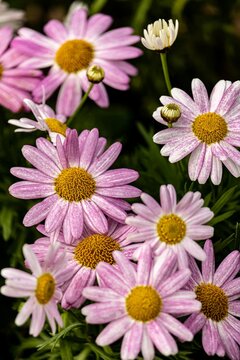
column 6, row 220
column 237, row 237
column 52, row 342
column 221, row 217
column 220, row 245
column 223, row 200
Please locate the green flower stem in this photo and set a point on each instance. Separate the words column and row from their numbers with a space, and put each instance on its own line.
column 84, row 98
column 163, row 57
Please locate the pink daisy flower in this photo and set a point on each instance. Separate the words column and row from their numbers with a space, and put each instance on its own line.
column 83, row 256
column 70, row 48
column 208, row 128
column 139, row 303
column 217, row 291
column 74, row 179
column 10, row 17
column 46, row 118
column 172, row 225
column 15, row 82
column 41, row 288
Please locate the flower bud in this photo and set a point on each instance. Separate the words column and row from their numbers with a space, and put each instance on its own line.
column 95, row 74
column 160, row 35
column 170, row 113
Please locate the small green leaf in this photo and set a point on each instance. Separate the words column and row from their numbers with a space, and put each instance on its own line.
column 6, row 220
column 237, row 237
column 221, row 217
column 223, row 200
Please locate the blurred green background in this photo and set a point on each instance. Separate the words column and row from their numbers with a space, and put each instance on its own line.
column 207, row 47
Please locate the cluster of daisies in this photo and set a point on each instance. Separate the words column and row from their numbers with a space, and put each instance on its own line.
column 67, row 50
column 135, row 263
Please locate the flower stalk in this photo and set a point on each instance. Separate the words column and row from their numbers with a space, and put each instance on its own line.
column 163, row 57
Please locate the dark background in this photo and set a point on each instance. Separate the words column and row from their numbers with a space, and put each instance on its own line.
column 207, row 47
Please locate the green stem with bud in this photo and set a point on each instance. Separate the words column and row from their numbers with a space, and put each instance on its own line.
column 84, row 98
column 163, row 57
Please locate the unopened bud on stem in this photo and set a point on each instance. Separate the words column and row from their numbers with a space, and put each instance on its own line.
column 95, row 74
column 170, row 113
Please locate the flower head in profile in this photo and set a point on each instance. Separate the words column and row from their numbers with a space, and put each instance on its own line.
column 218, row 292
column 46, row 118
column 208, row 129
column 15, row 83
column 172, row 225
column 42, row 288
column 141, row 303
column 83, row 256
column 74, row 179
column 71, row 48
column 10, row 17
column 160, row 35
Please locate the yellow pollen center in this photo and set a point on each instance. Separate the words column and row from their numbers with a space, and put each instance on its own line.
column 45, row 288
column 143, row 303
column 75, row 184
column 210, row 128
column 1, row 70
column 214, row 301
column 95, row 248
column 74, row 55
column 171, row 229
column 56, row 126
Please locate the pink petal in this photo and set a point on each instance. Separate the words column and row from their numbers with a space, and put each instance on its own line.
column 195, row 322
column 38, row 159
column 161, row 338
column 210, row 337
column 39, row 211
column 114, row 331
column 144, row 265
column 200, row 95
column 56, row 216
column 32, row 260
column 132, row 340
column 196, row 161
column 175, row 327
column 105, row 160
column 78, row 23
column 69, row 96
column 208, row 266
column 174, row 283
column 97, row 24
column 228, row 268
column 101, row 313
column 31, row 190
column 117, row 177
column 56, row 30
column 109, row 209
column 112, row 278
column 89, row 149
column 25, row 312
column 94, row 217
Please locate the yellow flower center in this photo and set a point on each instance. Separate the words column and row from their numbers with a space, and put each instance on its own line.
column 95, row 248
column 209, row 128
column 171, row 229
column 56, row 126
column 214, row 301
column 75, row 184
column 143, row 303
column 74, row 55
column 45, row 288
column 1, row 70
